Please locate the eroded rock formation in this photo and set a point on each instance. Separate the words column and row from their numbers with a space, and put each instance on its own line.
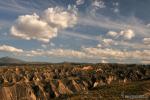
column 47, row 82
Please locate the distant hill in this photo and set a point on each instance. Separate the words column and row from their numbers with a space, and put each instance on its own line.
column 9, row 60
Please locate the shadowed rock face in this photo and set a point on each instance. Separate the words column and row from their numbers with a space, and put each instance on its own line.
column 55, row 81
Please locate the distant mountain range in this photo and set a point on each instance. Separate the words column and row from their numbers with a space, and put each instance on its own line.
column 9, row 60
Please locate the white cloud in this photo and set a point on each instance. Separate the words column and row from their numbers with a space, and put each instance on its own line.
column 119, row 43
column 98, row 4
column 86, row 53
column 48, row 45
column 80, row 2
column 60, row 18
column 44, row 27
column 68, row 53
column 127, row 34
column 117, row 54
column 124, row 48
column 134, row 44
column 35, row 53
column 146, row 41
column 32, row 27
column 126, row 23
column 104, row 61
column 7, row 48
column 108, row 41
column 99, row 45
column 112, row 33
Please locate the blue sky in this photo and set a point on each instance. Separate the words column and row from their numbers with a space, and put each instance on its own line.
column 114, row 31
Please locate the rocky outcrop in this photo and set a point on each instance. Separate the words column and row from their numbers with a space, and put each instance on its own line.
column 44, row 83
column 17, row 92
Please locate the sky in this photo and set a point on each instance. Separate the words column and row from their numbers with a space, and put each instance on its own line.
column 93, row 31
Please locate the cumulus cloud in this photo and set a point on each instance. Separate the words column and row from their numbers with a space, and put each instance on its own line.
column 126, row 34
column 32, row 27
column 44, row 27
column 7, row 48
column 58, row 17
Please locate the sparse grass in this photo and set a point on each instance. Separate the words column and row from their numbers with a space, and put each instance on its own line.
column 113, row 91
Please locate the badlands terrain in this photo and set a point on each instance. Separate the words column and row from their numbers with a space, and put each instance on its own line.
column 74, row 81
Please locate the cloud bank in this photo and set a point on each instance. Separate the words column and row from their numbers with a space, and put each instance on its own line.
column 86, row 53
column 7, row 48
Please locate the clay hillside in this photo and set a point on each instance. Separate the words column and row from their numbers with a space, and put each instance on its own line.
column 73, row 81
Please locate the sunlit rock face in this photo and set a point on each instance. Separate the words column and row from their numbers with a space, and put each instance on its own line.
column 17, row 92
column 58, row 81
